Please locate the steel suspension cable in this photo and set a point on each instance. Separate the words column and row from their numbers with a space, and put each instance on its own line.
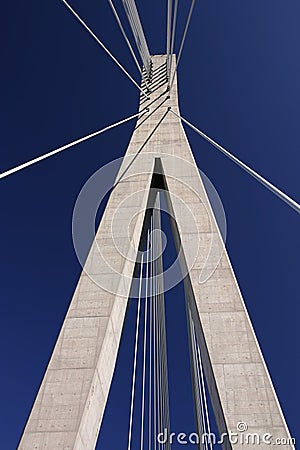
column 158, row 303
column 284, row 197
column 199, row 411
column 165, row 422
column 202, row 389
column 124, row 35
column 199, row 385
column 154, row 345
column 204, row 393
column 150, row 344
column 65, row 147
column 164, row 416
column 159, row 381
column 103, row 46
column 158, row 354
column 173, row 35
column 158, row 331
column 85, row 138
column 169, row 20
column 144, row 350
column 138, row 33
column 165, row 371
column 135, row 355
column 183, row 41
column 132, row 14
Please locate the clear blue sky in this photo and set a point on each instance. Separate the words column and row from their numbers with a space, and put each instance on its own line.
column 238, row 81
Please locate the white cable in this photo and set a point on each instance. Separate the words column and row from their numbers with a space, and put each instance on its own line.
column 127, row 40
column 163, row 375
column 154, row 347
column 132, row 15
column 183, row 40
column 145, row 350
column 135, row 355
column 158, row 330
column 103, row 46
column 288, row 200
column 173, row 36
column 169, row 19
column 204, row 428
column 165, row 397
column 150, row 344
column 124, row 34
column 204, row 392
column 65, row 147
column 197, row 385
column 157, row 377
column 138, row 33
column 162, row 380
column 158, row 324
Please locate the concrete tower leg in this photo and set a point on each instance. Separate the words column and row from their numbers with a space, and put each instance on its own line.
column 69, row 406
